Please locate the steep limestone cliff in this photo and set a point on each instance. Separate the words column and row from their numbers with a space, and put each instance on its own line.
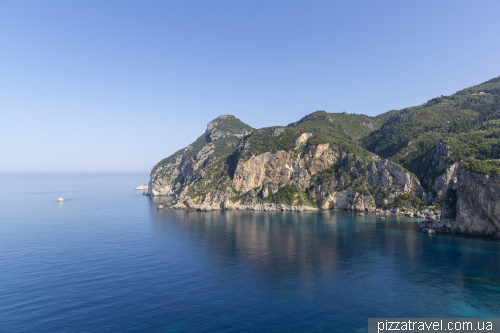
column 344, row 186
column 171, row 175
column 222, row 171
column 304, row 174
column 471, row 205
column 437, row 159
column 478, row 205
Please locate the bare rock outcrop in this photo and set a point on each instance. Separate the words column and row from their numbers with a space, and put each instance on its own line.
column 207, row 175
column 471, row 205
column 477, row 204
column 172, row 175
column 432, row 226
column 290, row 168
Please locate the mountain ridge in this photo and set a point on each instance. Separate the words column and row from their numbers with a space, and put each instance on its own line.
column 401, row 162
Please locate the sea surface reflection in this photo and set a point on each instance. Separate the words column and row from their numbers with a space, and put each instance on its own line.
column 106, row 260
column 374, row 266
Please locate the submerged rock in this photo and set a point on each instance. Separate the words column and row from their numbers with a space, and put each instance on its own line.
column 432, row 226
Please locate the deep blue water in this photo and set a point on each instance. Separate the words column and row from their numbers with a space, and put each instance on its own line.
column 105, row 260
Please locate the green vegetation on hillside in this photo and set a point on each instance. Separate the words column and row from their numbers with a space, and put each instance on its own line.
column 490, row 168
column 223, row 146
column 290, row 195
column 340, row 130
column 286, row 195
column 214, row 176
column 233, row 125
column 468, row 122
column 407, row 200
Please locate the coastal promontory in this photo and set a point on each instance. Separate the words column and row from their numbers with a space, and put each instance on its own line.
column 438, row 160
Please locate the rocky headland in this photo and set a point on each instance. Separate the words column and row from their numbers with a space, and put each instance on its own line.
column 411, row 162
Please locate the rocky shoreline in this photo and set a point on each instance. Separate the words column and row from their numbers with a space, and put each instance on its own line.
column 234, row 167
column 433, row 226
column 267, row 207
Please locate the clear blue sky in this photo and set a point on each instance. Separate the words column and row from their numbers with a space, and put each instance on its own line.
column 119, row 85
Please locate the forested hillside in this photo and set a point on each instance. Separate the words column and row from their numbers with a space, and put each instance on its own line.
column 468, row 122
column 340, row 130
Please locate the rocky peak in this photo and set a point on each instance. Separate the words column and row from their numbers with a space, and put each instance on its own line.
column 226, row 125
column 217, row 121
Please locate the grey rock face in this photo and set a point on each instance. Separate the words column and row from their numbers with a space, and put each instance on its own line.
column 259, row 176
column 174, row 175
column 471, row 204
column 432, row 226
column 369, row 125
column 478, row 204
column 213, row 133
column 277, row 131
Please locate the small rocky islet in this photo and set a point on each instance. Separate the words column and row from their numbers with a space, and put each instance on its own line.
column 438, row 160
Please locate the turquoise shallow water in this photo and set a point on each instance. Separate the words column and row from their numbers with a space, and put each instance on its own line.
column 105, row 260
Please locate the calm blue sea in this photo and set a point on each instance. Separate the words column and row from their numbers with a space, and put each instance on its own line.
column 105, row 260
